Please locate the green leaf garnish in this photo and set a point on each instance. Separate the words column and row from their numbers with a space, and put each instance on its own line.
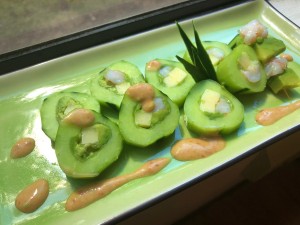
column 193, row 70
column 201, row 68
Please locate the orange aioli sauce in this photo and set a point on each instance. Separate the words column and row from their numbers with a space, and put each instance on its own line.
column 197, row 148
column 269, row 116
column 80, row 117
column 22, row 147
column 91, row 193
column 143, row 93
column 33, row 196
column 153, row 65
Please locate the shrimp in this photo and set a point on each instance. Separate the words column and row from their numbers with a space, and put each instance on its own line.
column 276, row 66
column 250, row 68
column 223, row 106
column 114, row 77
column 253, row 31
column 215, row 55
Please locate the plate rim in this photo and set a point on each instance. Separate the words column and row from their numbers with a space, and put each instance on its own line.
column 201, row 177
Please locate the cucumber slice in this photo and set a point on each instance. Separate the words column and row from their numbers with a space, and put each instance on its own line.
column 113, row 81
column 85, row 153
column 58, row 105
column 205, row 116
column 241, row 71
column 171, row 78
column 137, row 131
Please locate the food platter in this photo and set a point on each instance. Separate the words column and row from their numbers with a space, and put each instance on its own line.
column 23, row 91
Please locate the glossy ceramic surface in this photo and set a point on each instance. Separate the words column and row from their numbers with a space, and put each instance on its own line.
column 22, row 93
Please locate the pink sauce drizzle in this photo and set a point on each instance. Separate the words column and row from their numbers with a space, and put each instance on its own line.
column 197, row 148
column 91, row 193
column 269, row 116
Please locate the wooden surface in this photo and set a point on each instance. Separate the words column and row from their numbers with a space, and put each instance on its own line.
column 273, row 200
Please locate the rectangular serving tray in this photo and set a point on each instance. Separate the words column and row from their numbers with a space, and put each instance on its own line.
column 23, row 91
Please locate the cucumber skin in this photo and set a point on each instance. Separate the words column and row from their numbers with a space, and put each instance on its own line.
column 48, row 110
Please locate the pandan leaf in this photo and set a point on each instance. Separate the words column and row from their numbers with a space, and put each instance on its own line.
column 189, row 45
column 200, row 66
column 203, row 68
column 192, row 69
column 204, row 57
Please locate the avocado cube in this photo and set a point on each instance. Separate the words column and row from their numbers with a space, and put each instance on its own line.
column 175, row 77
column 209, row 101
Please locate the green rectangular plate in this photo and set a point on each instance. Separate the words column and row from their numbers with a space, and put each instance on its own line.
column 22, row 93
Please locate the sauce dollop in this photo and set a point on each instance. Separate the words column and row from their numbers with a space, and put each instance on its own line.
column 153, row 65
column 22, row 147
column 269, row 116
column 80, row 117
column 197, row 148
column 33, row 196
column 89, row 194
column 143, row 93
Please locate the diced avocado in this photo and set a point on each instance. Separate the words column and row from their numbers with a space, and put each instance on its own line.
column 98, row 133
column 58, row 105
column 241, row 71
column 135, row 127
column 295, row 67
column 107, row 92
column 84, row 153
column 268, row 48
column 175, row 77
column 171, row 78
column 289, row 79
column 209, row 100
column 210, row 123
column 89, row 135
column 92, row 139
column 143, row 119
